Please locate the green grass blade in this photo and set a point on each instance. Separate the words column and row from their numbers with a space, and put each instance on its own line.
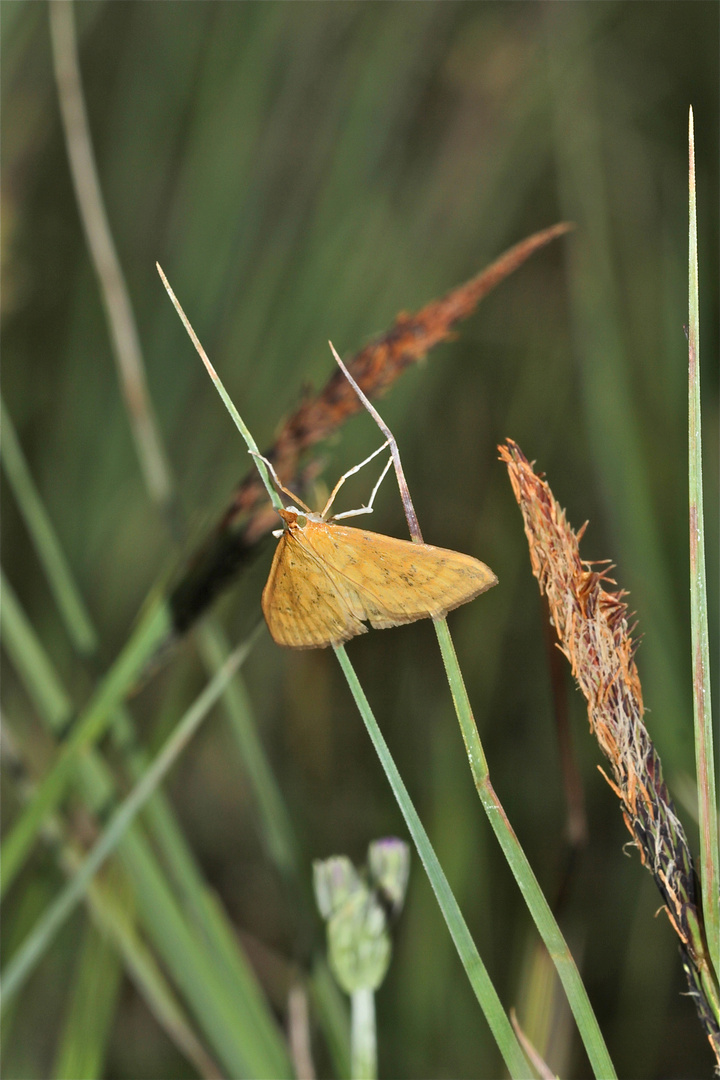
column 42, row 533
column 522, row 871
column 30, row 661
column 211, row 921
column 236, row 1020
column 93, row 998
column 92, row 723
column 34, row 946
column 208, row 979
column 113, row 910
column 704, row 752
column 226, row 399
column 206, row 964
column 108, row 910
column 224, row 995
column 490, row 1003
column 275, row 821
column 115, row 914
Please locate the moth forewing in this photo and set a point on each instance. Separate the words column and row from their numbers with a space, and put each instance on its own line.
column 396, row 581
column 327, row 580
column 300, row 602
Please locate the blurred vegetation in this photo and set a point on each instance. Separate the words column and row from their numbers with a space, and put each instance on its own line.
column 305, row 171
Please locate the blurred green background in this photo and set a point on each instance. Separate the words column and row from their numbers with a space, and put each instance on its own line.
column 305, row 171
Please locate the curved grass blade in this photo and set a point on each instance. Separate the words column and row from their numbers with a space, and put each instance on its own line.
column 485, row 992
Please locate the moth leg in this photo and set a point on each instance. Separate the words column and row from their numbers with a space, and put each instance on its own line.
column 282, row 487
column 367, row 509
column 344, row 477
column 411, row 516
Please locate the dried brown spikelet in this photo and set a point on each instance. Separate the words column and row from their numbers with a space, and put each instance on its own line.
column 592, row 628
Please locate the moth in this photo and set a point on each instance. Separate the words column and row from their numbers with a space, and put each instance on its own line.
column 328, row 580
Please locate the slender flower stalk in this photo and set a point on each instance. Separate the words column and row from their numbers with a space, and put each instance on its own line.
column 592, row 628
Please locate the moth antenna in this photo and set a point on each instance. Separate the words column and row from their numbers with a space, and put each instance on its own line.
column 411, row 516
column 276, row 479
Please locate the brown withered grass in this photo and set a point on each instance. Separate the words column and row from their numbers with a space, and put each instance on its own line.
column 591, row 623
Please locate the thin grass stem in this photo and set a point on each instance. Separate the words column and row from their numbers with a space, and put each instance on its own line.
column 475, row 969
column 113, row 288
column 227, row 401
column 704, row 752
column 364, row 1035
column 67, row 596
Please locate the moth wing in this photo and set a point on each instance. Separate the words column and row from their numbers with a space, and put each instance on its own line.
column 389, row 581
column 300, row 602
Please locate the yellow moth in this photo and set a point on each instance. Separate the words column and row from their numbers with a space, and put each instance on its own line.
column 327, row 580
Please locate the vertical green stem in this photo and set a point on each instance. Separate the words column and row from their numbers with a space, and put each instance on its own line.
column 517, row 860
column 363, row 1036
column 704, row 753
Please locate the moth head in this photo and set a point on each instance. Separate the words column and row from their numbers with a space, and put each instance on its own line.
column 292, row 516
